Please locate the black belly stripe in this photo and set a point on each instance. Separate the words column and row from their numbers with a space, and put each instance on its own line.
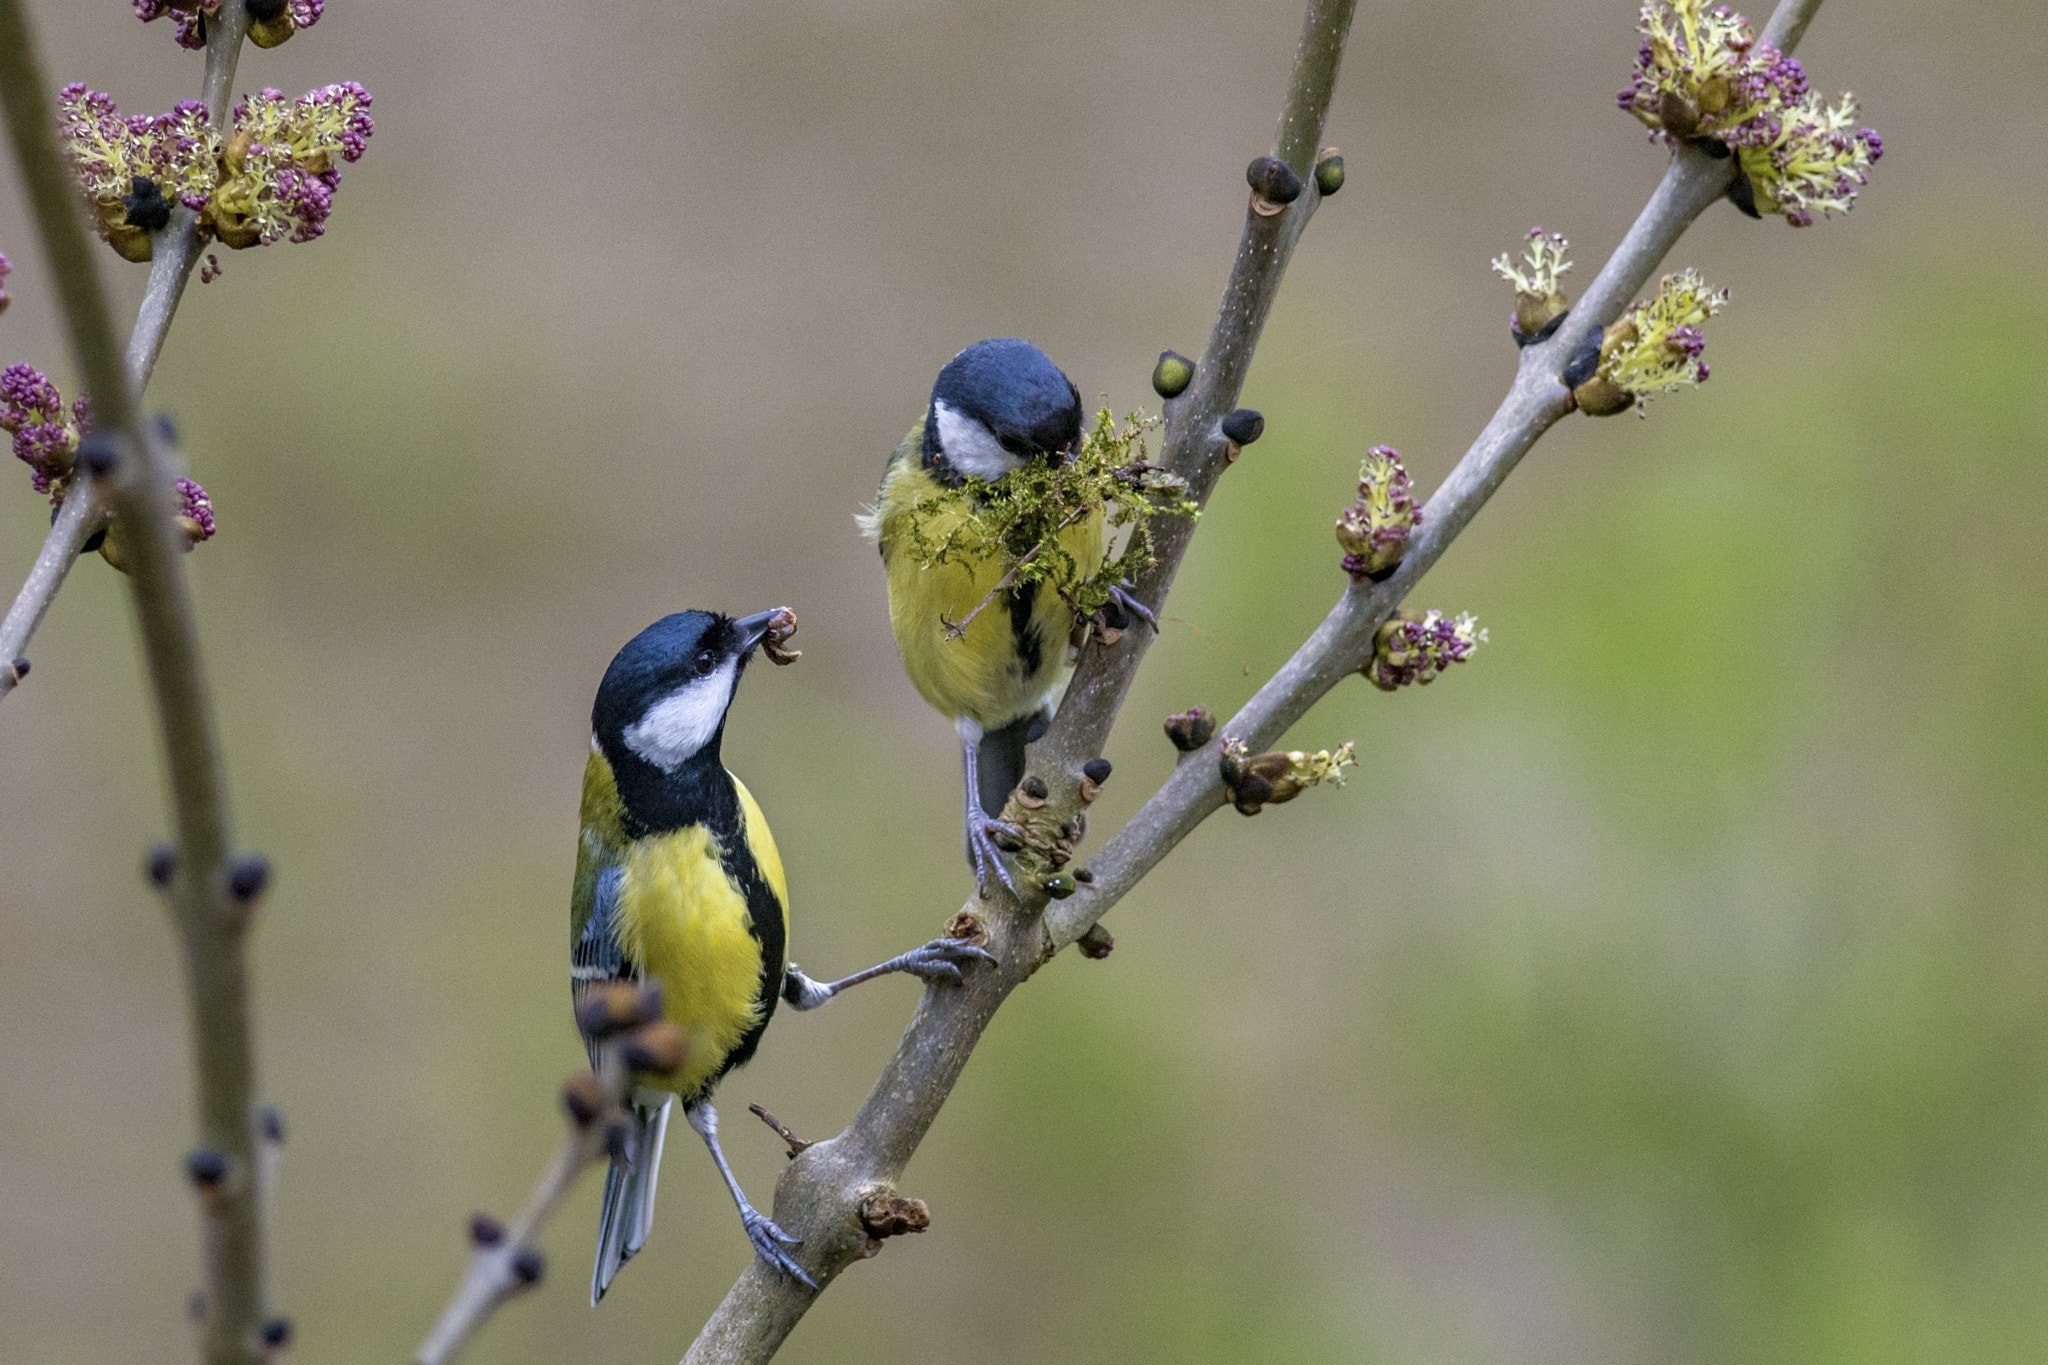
column 701, row 792
column 1025, row 634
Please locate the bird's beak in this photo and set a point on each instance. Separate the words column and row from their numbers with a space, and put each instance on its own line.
column 749, row 631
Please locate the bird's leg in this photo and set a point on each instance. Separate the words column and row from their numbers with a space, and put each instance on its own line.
column 939, row 960
column 981, row 827
column 1124, row 595
column 768, row 1239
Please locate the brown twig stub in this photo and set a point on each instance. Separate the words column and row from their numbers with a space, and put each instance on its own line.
column 781, row 1130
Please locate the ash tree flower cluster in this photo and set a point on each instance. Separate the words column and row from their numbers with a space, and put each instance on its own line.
column 1416, row 647
column 270, row 21
column 6, row 269
column 45, row 429
column 272, row 179
column 1374, row 529
column 1702, row 77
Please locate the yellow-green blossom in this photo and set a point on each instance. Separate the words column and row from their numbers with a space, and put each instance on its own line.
column 1539, row 297
column 1815, row 162
column 1654, row 347
column 1269, row 779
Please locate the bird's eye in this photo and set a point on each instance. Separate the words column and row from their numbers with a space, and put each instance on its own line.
column 704, row 663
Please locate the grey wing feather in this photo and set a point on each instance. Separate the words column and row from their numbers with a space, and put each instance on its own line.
column 597, row 954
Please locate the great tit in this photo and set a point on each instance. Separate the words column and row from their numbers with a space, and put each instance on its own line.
column 995, row 406
column 678, row 881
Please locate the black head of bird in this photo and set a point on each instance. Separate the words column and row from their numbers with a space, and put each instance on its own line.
column 997, row 405
column 663, row 701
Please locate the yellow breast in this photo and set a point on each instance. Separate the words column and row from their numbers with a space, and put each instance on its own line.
column 981, row 675
column 682, row 917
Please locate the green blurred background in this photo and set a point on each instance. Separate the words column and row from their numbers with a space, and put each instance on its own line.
column 1665, row 987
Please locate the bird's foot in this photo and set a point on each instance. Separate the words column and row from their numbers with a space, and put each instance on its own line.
column 988, row 856
column 1124, row 595
column 769, row 1241
column 941, row 960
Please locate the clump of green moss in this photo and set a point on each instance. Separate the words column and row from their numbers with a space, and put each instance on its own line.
column 1022, row 515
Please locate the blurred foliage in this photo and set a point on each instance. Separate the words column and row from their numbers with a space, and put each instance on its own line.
column 1663, row 986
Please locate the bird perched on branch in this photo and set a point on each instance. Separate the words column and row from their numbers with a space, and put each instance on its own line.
column 678, row 882
column 984, row 651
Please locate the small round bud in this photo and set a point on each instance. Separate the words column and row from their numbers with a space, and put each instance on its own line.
column 1191, row 729
column 277, row 1333
column 98, row 455
column 1585, row 362
column 161, row 866
column 1059, row 886
column 248, row 877
column 528, row 1266
column 145, row 205
column 485, row 1231
column 1274, row 181
column 1084, row 876
column 1172, row 375
column 261, row 10
column 19, row 668
column 1096, row 944
column 1244, row 426
column 1330, row 172
column 1034, row 787
column 206, row 1169
column 658, row 1049
column 582, row 1098
column 270, row 1125
column 1096, row 770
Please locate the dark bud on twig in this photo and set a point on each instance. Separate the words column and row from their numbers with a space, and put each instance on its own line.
column 528, row 1266
column 1096, row 770
column 1584, row 364
column 270, row 1125
column 658, row 1049
column 195, row 1306
column 277, row 1333
column 1096, row 944
column 890, row 1215
column 1191, row 729
column 146, row 206
column 1084, row 876
column 612, row 1007
column 208, row 1173
column 17, row 670
column 1742, row 194
column 1032, row 792
column 1330, row 172
column 1059, row 886
column 161, row 866
column 1172, row 375
column 248, row 877
column 1244, row 426
column 97, row 454
column 262, row 10
column 582, row 1098
column 1274, row 185
column 485, row 1231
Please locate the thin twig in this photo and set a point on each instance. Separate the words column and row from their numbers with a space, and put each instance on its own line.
column 83, row 513
column 176, row 254
column 212, row 921
column 822, row 1186
column 505, row 1262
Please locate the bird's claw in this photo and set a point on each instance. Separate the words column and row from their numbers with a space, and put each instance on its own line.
column 768, row 1240
column 942, row 958
column 981, row 831
column 1124, row 597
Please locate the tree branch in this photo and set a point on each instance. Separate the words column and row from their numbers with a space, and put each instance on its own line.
column 177, row 252
column 504, row 1261
column 825, row 1182
column 211, row 914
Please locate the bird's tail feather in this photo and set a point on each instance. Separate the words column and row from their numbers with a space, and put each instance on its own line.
column 999, row 759
column 628, row 1211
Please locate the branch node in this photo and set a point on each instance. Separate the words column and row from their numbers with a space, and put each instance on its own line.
column 968, row 927
column 16, row 671
column 883, row 1214
column 248, row 878
column 1191, row 729
column 161, row 866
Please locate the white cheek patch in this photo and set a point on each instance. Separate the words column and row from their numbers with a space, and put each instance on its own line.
column 680, row 724
column 970, row 448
